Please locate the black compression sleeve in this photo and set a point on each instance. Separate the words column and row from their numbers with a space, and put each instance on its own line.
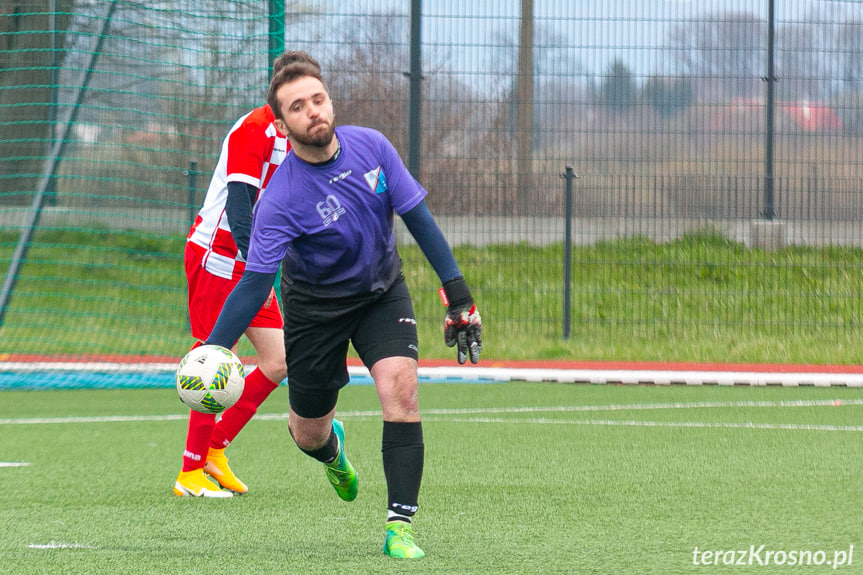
column 241, row 307
column 241, row 198
column 424, row 229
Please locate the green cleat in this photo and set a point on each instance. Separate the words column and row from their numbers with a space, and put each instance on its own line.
column 340, row 472
column 400, row 541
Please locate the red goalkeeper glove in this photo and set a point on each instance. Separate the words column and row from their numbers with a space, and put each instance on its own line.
column 463, row 324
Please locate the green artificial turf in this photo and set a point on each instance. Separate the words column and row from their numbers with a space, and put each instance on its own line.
column 519, row 478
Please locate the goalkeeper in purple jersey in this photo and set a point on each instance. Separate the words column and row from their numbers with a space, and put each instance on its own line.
column 327, row 218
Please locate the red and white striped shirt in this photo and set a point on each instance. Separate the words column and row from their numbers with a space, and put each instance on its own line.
column 251, row 152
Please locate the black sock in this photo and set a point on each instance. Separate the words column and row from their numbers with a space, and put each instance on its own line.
column 328, row 452
column 403, row 453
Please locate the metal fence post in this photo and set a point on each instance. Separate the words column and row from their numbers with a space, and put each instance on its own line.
column 191, row 190
column 275, row 32
column 415, row 76
column 769, row 201
column 568, row 176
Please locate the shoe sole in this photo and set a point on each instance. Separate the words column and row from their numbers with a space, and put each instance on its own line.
column 182, row 491
column 231, row 489
column 404, row 556
column 420, row 555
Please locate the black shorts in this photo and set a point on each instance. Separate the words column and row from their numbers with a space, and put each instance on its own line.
column 317, row 332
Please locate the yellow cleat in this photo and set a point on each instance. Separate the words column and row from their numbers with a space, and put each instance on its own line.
column 217, row 467
column 194, row 484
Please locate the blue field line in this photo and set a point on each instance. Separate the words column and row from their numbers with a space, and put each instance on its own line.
column 136, row 380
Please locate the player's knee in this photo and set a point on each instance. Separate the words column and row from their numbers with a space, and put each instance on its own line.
column 275, row 368
column 400, row 400
column 403, row 409
column 309, row 435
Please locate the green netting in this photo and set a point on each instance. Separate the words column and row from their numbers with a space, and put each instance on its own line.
column 700, row 214
column 150, row 88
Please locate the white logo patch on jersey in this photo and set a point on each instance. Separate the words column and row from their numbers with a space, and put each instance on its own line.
column 373, row 179
column 330, row 210
column 340, row 177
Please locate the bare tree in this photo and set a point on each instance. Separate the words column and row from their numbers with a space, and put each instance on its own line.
column 466, row 145
column 366, row 78
column 725, row 52
column 800, row 62
column 618, row 91
column 168, row 83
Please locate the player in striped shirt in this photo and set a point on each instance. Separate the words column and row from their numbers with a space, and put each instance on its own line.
column 216, row 250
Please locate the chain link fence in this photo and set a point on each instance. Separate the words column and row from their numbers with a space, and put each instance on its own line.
column 112, row 116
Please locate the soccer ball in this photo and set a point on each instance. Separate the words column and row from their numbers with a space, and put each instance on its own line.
column 210, row 379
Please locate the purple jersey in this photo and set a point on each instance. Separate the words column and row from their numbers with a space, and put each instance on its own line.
column 332, row 224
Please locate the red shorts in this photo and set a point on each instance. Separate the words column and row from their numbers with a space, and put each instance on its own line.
column 207, row 295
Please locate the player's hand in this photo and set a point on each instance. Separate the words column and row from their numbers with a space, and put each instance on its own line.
column 270, row 298
column 463, row 324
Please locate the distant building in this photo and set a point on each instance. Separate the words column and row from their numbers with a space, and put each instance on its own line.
column 812, row 116
column 746, row 115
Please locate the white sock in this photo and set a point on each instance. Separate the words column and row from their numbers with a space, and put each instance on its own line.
column 393, row 516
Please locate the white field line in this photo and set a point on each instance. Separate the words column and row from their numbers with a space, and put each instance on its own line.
column 59, row 545
column 457, row 414
column 645, row 376
column 633, row 423
column 652, row 406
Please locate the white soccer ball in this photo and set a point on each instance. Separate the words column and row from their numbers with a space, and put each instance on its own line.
column 210, row 379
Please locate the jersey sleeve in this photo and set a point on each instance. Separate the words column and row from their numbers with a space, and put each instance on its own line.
column 240, row 308
column 249, row 146
column 272, row 227
column 404, row 190
column 429, row 237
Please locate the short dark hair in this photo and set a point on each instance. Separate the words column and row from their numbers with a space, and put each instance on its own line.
column 287, row 74
column 293, row 57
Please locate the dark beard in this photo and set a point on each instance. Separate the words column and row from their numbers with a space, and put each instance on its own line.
column 319, row 140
